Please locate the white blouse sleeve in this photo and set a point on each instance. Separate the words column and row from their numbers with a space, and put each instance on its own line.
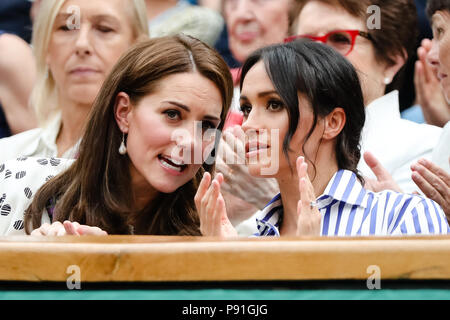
column 20, row 179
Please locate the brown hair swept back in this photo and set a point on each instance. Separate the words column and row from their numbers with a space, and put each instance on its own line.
column 95, row 190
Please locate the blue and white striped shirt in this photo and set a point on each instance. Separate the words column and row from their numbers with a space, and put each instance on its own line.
column 350, row 210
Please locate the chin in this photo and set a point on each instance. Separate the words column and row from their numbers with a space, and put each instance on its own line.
column 262, row 171
column 167, row 187
column 85, row 94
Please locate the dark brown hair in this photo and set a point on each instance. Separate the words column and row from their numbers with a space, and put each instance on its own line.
column 327, row 80
column 95, row 190
column 437, row 5
column 399, row 31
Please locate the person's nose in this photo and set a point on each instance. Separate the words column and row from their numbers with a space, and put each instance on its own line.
column 244, row 10
column 83, row 44
column 252, row 123
column 433, row 55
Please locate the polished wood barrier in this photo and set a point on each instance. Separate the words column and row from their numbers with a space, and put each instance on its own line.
column 153, row 258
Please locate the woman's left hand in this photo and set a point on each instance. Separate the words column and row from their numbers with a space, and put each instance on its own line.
column 309, row 217
column 67, row 228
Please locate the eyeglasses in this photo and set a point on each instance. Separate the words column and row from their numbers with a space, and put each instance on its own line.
column 342, row 41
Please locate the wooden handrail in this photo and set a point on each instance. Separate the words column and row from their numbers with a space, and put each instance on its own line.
column 157, row 258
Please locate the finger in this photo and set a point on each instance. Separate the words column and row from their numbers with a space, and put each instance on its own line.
column 419, row 80
column 91, row 231
column 214, row 216
column 239, row 133
column 204, row 185
column 70, row 228
column 426, row 44
column 235, row 148
column 203, row 212
column 380, row 172
column 426, row 187
column 36, row 233
column 54, row 229
column 438, row 171
column 222, row 218
column 219, row 178
column 42, row 230
column 432, row 179
column 300, row 168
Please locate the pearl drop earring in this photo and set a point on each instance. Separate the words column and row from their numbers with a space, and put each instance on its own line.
column 387, row 81
column 123, row 148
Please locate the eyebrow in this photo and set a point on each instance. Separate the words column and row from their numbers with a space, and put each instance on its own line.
column 187, row 109
column 261, row 94
column 107, row 17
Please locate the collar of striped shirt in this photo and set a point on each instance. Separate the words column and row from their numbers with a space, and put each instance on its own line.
column 349, row 209
column 343, row 187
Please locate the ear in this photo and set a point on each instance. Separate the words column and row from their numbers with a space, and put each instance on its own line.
column 122, row 111
column 391, row 70
column 334, row 122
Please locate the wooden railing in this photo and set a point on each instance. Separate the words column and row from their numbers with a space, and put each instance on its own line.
column 153, row 258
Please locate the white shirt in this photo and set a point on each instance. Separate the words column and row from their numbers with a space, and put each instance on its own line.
column 40, row 142
column 20, row 179
column 441, row 152
column 397, row 143
column 348, row 209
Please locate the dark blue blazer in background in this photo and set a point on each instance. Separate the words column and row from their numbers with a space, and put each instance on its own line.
column 15, row 18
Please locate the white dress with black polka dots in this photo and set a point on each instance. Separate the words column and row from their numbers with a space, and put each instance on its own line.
column 20, row 179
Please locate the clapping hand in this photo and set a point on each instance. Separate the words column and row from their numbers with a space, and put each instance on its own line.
column 211, row 208
column 309, row 217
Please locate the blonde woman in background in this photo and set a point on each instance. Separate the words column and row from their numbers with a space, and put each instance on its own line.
column 76, row 44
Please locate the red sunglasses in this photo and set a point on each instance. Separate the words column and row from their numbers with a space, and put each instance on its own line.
column 342, row 41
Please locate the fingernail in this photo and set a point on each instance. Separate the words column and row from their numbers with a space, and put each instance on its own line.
column 423, row 161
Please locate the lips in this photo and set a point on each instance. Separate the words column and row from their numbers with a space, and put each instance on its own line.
column 441, row 76
column 174, row 166
column 253, row 148
column 247, row 32
column 83, row 70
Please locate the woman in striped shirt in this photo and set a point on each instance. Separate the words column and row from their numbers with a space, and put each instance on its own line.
column 303, row 115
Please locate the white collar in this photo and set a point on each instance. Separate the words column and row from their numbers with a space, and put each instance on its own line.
column 384, row 108
column 51, row 131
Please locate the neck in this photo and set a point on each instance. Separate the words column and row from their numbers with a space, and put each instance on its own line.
column 326, row 167
column 73, row 119
column 373, row 90
column 143, row 192
column 156, row 7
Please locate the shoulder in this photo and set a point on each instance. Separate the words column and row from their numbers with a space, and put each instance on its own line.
column 20, row 179
column 19, row 144
column 31, row 169
column 410, row 214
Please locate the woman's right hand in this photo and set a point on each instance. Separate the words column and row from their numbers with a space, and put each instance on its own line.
column 211, row 208
column 67, row 228
column 428, row 89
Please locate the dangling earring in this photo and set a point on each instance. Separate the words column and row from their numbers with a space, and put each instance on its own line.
column 387, row 81
column 123, row 148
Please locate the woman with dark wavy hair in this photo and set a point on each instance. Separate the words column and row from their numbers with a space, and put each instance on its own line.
column 303, row 116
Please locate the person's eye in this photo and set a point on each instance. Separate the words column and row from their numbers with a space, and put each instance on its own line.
column 275, row 105
column 246, row 109
column 208, row 125
column 172, row 115
column 63, row 27
column 340, row 38
column 104, row 29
